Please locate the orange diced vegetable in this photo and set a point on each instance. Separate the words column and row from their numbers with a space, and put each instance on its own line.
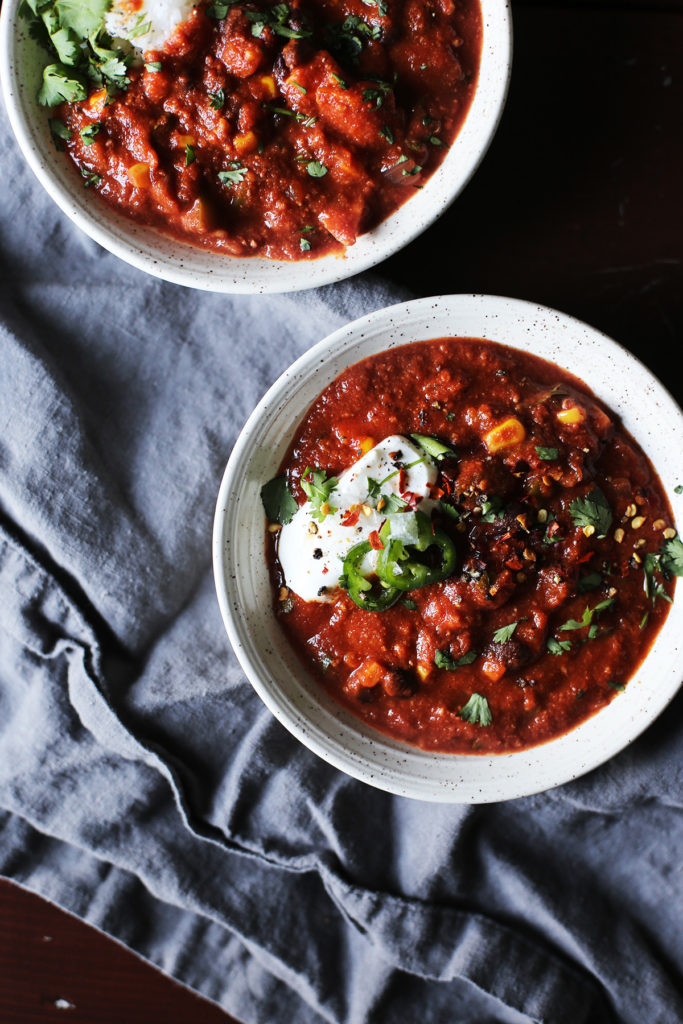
column 245, row 143
column 368, row 674
column 268, row 83
column 139, row 175
column 493, row 669
column 508, row 433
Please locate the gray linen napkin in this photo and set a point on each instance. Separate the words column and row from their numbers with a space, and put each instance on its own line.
column 144, row 787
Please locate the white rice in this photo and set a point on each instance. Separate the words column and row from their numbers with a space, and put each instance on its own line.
column 162, row 16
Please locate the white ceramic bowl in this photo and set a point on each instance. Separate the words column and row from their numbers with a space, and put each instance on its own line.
column 243, row 586
column 21, row 63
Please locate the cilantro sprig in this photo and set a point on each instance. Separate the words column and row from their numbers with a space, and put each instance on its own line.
column 593, row 510
column 318, row 487
column 477, row 711
column 73, row 32
column 442, row 659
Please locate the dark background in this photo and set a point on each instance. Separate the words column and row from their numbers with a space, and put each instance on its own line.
column 577, row 205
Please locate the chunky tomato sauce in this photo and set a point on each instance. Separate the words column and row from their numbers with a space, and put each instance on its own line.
column 544, row 619
column 241, row 139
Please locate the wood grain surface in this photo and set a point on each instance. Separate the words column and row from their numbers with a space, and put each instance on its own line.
column 577, row 205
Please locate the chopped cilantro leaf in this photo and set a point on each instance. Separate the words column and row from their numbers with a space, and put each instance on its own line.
column 84, row 17
column 477, row 711
column 60, row 84
column 217, row 99
column 59, row 131
column 442, row 659
column 317, row 488
column 678, row 489
column 504, row 634
column 153, row 66
column 90, row 178
column 234, row 176
column 616, row 686
column 278, row 501
column 593, row 510
column 316, row 169
column 190, row 154
column 547, row 454
column 391, row 503
column 588, row 614
column 449, row 510
column 492, row 509
column 340, row 81
column 558, row 646
column 89, row 132
column 304, row 245
column 407, row 603
column 386, row 133
column 672, row 557
column 436, row 141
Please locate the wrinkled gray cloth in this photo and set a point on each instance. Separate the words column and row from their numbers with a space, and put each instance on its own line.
column 143, row 785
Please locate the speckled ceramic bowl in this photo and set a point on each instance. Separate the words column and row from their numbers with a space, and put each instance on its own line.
column 243, row 586
column 21, row 63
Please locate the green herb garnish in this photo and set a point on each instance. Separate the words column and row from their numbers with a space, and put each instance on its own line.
column 504, row 634
column 547, row 454
column 278, row 501
column 387, row 134
column 217, row 99
column 442, row 659
column 558, row 646
column 316, row 169
column 190, row 154
column 587, row 617
column 317, row 488
column 672, row 557
column 593, row 510
column 234, row 176
column 153, row 66
column 477, row 711
column 304, row 245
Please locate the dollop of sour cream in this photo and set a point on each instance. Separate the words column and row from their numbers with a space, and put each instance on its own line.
column 311, row 552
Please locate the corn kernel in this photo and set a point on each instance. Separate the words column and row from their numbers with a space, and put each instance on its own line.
column 424, row 671
column 542, row 515
column 185, row 140
column 589, row 530
column 268, row 83
column 366, row 444
column 658, row 524
column 619, row 535
column 576, row 414
column 506, row 434
column 274, row 528
column 630, row 510
column 284, row 594
column 139, row 175
column 637, row 522
column 669, row 533
column 245, row 143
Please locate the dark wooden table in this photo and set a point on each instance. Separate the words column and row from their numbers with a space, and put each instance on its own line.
column 577, row 205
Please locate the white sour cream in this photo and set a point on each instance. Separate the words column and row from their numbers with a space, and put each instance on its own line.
column 311, row 552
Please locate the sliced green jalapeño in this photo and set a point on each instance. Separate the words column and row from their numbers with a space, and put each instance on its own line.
column 414, row 554
column 373, row 595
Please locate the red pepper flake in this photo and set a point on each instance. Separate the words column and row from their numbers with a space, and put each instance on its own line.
column 514, row 563
column 375, row 542
column 585, row 558
column 402, row 480
column 325, row 569
column 351, row 517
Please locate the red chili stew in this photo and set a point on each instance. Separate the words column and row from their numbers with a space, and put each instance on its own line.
column 243, row 140
column 565, row 540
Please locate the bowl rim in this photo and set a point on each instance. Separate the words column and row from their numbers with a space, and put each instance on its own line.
column 179, row 262
column 346, row 340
